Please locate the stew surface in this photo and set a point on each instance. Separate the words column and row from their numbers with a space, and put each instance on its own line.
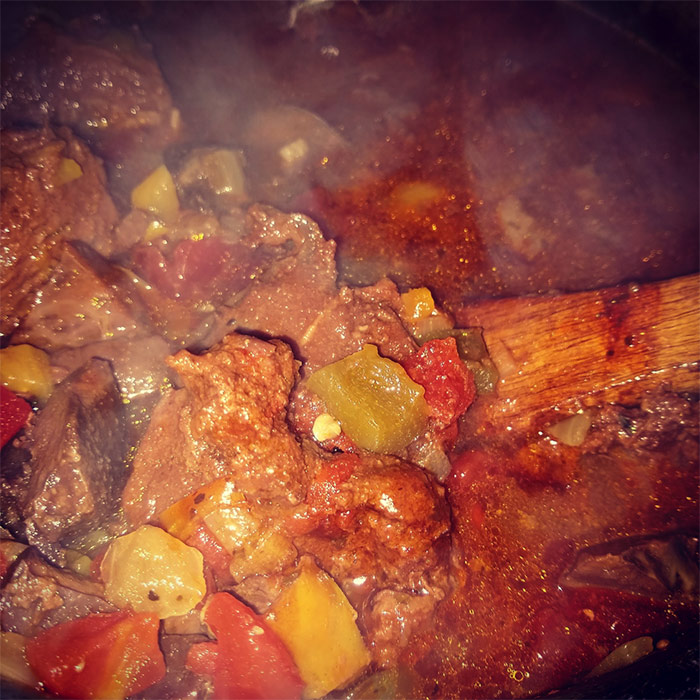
column 247, row 451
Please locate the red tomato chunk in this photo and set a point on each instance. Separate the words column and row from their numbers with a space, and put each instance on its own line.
column 248, row 660
column 14, row 412
column 449, row 385
column 99, row 656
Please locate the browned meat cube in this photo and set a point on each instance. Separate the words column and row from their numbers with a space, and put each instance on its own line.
column 103, row 84
column 78, row 450
column 38, row 596
column 53, row 188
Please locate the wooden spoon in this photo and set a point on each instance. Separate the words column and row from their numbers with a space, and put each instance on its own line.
column 559, row 353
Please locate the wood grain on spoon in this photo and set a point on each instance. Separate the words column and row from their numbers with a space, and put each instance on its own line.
column 610, row 345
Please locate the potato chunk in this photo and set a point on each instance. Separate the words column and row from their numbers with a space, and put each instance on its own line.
column 378, row 405
column 317, row 624
column 152, row 571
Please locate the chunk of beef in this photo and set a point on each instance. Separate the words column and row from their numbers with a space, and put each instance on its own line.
column 77, row 468
column 297, row 298
column 386, row 544
column 38, row 596
column 138, row 363
column 82, row 303
column 102, row 83
column 228, row 420
column 40, row 208
column 14, row 482
column 289, row 296
column 10, row 550
column 661, row 419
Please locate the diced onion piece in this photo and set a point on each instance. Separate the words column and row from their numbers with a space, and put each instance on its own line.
column 157, row 194
column 378, row 405
column 68, row 170
column 418, row 304
column 14, row 666
column 571, row 431
column 326, row 427
column 433, row 459
column 317, row 624
column 151, row 571
column 25, row 370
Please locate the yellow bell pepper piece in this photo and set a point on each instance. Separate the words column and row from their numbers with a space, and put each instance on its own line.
column 418, row 303
column 317, row 624
column 378, row 405
column 157, row 194
column 25, row 370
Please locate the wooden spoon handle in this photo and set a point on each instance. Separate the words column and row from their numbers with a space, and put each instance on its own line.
column 562, row 352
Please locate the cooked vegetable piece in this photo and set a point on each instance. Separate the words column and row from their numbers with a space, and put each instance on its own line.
column 317, row 623
column 248, row 660
column 378, row 405
column 157, row 194
column 217, row 171
column 13, row 414
column 214, row 554
column 472, row 350
column 221, row 524
column 25, row 369
column 572, row 431
column 152, row 571
column 182, row 518
column 111, row 655
column 485, row 374
column 68, row 170
column 417, row 303
column 196, row 269
column 449, row 385
column 326, row 427
column 470, row 343
column 155, row 229
column 14, row 666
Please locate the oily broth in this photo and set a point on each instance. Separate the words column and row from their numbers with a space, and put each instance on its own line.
column 562, row 155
